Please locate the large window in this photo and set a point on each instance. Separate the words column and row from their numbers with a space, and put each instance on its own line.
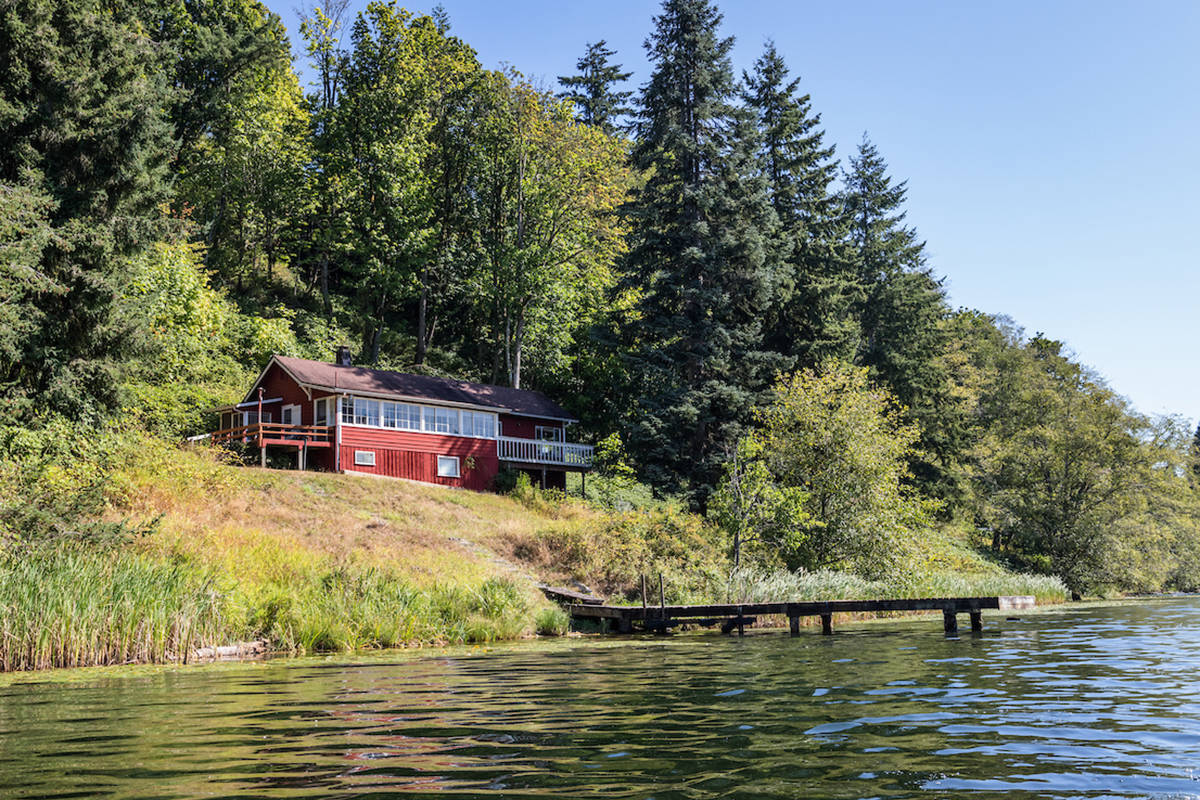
column 447, row 466
column 366, row 412
column 441, row 420
column 413, row 417
column 479, row 423
column 402, row 415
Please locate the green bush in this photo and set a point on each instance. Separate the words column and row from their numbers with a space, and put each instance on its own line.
column 552, row 621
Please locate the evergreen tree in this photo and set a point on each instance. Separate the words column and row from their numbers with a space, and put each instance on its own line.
column 702, row 258
column 902, row 315
column 814, row 318
column 597, row 101
column 84, row 136
column 1196, row 451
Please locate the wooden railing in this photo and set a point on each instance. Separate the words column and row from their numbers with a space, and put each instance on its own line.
column 273, row 432
column 536, row 451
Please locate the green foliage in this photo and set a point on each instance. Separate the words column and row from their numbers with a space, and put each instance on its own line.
column 71, row 606
column 903, row 305
column 753, row 585
column 85, row 139
column 769, row 520
column 814, row 314
column 841, row 441
column 702, row 259
column 552, row 621
column 592, row 90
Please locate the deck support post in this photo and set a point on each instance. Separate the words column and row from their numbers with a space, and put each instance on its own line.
column 827, row 624
column 976, row 622
column 794, row 624
column 262, row 453
column 949, row 621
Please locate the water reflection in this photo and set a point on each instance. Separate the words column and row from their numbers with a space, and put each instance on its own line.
column 1092, row 703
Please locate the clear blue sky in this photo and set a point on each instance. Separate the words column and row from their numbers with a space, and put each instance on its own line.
column 1050, row 148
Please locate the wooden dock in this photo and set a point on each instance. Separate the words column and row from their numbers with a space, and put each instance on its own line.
column 660, row 618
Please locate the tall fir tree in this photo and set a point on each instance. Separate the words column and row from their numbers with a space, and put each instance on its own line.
column 594, row 90
column 87, row 143
column 702, row 257
column 903, row 311
column 814, row 316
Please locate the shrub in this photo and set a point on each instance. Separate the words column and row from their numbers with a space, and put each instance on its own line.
column 552, row 621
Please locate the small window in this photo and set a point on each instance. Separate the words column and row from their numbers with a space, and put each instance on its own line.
column 549, row 434
column 290, row 415
column 364, row 458
column 447, row 466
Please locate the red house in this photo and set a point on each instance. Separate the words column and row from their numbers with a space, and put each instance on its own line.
column 343, row 418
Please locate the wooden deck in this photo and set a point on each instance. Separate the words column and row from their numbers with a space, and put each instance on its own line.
column 738, row 615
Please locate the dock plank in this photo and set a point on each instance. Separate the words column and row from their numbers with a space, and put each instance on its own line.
column 948, row 605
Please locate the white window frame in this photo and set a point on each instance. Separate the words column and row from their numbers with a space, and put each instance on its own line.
column 559, row 435
column 297, row 415
column 330, row 406
column 364, row 458
column 347, row 407
column 449, row 460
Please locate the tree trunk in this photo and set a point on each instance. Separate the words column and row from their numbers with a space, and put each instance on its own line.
column 325, row 302
column 422, row 305
column 518, row 343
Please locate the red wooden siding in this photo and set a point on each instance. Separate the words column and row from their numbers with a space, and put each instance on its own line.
column 277, row 383
column 404, row 454
column 525, row 427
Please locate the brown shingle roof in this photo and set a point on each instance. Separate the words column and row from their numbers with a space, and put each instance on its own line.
column 422, row 387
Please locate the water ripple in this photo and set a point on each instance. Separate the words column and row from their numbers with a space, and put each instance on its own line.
column 1099, row 703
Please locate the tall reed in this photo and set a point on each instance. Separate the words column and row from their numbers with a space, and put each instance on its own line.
column 68, row 606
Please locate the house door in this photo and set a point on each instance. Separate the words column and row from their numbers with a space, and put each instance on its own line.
column 323, row 411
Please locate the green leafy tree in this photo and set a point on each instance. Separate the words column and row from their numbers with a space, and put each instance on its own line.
column 844, row 443
column 1060, row 461
column 547, row 224
column 321, row 29
column 85, row 138
column 768, row 520
column 384, row 122
column 593, row 90
column 702, row 259
column 814, row 315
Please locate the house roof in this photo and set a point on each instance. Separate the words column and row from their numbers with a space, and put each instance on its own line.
column 404, row 386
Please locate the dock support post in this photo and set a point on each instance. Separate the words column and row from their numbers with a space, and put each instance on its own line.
column 741, row 623
column 949, row 621
column 976, row 622
column 794, row 622
column 827, row 624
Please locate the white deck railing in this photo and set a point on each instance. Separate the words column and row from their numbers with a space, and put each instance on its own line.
column 535, row 451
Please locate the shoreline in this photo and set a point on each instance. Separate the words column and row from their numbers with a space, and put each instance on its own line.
column 261, row 657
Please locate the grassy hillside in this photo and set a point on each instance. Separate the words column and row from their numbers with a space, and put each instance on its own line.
column 309, row 562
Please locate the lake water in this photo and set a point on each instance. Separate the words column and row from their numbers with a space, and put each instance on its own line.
column 1093, row 702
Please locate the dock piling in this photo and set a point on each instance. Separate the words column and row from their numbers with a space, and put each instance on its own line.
column 794, row 623
column 976, row 622
column 950, row 621
column 827, row 624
